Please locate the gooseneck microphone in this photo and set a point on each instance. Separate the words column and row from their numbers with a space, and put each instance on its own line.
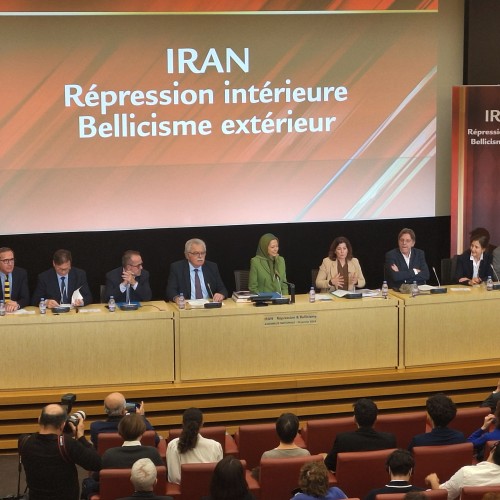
column 280, row 299
column 496, row 286
column 440, row 289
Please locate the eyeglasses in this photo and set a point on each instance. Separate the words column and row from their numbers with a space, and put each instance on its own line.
column 136, row 265
column 7, row 261
column 198, row 254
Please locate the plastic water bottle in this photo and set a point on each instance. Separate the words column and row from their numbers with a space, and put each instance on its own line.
column 489, row 284
column 182, row 301
column 112, row 304
column 414, row 289
column 42, row 306
column 312, row 295
column 2, row 308
column 385, row 290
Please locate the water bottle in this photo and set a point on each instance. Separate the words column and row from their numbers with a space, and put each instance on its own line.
column 2, row 308
column 182, row 301
column 312, row 295
column 112, row 304
column 385, row 290
column 42, row 306
column 489, row 284
column 414, row 289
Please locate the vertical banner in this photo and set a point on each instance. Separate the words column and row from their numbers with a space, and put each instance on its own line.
column 475, row 175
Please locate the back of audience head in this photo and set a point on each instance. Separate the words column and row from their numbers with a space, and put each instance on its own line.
column 441, row 409
column 53, row 417
column 143, row 475
column 400, row 463
column 192, row 420
column 228, row 480
column 115, row 404
column 365, row 412
column 287, row 427
column 313, row 479
column 132, row 427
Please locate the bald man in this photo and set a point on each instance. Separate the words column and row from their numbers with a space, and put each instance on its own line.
column 115, row 408
column 50, row 457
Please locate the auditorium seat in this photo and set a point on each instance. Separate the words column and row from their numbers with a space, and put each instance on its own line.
column 241, row 279
column 320, row 434
column 115, row 483
column 359, row 472
column 477, row 492
column 431, row 494
column 253, row 440
column 469, row 420
column 403, row 425
column 443, row 460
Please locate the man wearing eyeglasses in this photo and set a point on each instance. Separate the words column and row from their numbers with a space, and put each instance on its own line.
column 14, row 291
column 195, row 277
column 130, row 282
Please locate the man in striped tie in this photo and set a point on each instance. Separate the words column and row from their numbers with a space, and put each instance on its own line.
column 14, row 280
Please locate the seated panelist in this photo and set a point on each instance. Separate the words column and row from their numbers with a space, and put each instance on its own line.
column 14, row 282
column 474, row 265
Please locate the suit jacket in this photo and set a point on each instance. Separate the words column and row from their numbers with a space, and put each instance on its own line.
column 19, row 288
column 363, row 439
column 179, row 280
column 405, row 275
column 260, row 278
column 141, row 293
column 48, row 286
column 437, row 436
column 465, row 268
column 328, row 269
column 123, row 457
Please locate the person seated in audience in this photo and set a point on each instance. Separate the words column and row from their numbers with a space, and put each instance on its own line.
column 143, row 477
column 399, row 465
column 228, row 481
column 474, row 265
column 340, row 270
column 267, row 268
column 485, row 473
column 115, row 407
column 313, row 483
column 287, row 428
column 493, row 398
column 441, row 410
column 365, row 438
column 191, row 447
column 480, row 437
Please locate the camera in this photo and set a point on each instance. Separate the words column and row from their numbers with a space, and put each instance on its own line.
column 67, row 401
column 131, row 407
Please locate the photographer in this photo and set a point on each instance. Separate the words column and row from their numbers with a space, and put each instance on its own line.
column 50, row 456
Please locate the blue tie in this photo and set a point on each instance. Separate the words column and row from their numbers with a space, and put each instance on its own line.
column 64, row 296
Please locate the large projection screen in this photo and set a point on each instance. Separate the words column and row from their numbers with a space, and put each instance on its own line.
column 216, row 113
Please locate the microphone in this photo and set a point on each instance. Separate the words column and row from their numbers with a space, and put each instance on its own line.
column 496, row 286
column 440, row 289
column 128, row 306
column 291, row 286
column 211, row 305
column 280, row 299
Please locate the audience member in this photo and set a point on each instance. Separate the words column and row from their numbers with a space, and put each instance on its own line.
column 405, row 264
column 185, row 276
column 228, row 481
column 399, row 465
column 441, row 410
column 50, row 456
column 485, row 473
column 143, row 477
column 130, row 282
column 365, row 438
column 57, row 285
column 474, row 265
column 313, row 483
column 191, row 446
column 287, row 427
column 480, row 437
column 492, row 400
column 14, row 290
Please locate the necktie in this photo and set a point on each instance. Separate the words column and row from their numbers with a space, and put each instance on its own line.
column 197, row 285
column 6, row 289
column 64, row 296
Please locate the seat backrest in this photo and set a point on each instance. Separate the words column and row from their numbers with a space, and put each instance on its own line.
column 115, row 483
column 444, row 460
column 113, row 439
column 319, row 435
column 469, row 420
column 195, row 482
column 431, row 494
column 217, row 433
column 359, row 472
column 477, row 492
column 241, row 279
column 280, row 476
column 403, row 425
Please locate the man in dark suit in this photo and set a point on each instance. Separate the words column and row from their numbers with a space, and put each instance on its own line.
column 405, row 264
column 57, row 285
column 129, row 282
column 14, row 280
column 195, row 277
column 365, row 438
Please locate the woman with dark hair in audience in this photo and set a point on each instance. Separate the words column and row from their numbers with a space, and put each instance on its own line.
column 313, row 482
column 480, row 437
column 474, row 265
column 228, row 481
column 191, row 447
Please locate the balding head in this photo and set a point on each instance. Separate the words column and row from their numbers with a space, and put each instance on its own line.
column 114, row 404
column 52, row 418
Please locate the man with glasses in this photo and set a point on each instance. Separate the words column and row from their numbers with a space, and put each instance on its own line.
column 195, row 277
column 14, row 280
column 130, row 282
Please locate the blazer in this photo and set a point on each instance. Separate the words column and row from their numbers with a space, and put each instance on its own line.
column 328, row 269
column 141, row 293
column 437, row 436
column 465, row 268
column 19, row 288
column 405, row 275
column 47, row 286
column 260, row 278
column 179, row 280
